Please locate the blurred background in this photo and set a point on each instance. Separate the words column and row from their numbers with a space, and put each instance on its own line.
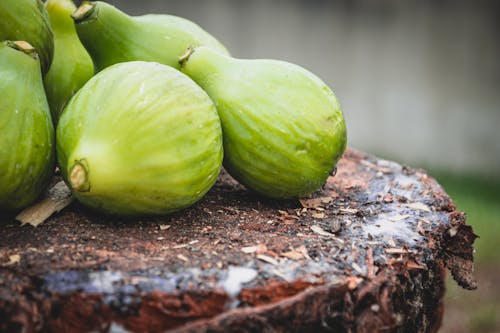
column 419, row 82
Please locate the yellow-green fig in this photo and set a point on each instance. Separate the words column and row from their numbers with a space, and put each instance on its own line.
column 72, row 65
column 111, row 36
column 283, row 127
column 26, row 132
column 139, row 138
column 28, row 20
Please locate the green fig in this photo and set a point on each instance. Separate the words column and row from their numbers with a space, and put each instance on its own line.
column 72, row 65
column 283, row 127
column 139, row 138
column 28, row 20
column 26, row 132
column 111, row 36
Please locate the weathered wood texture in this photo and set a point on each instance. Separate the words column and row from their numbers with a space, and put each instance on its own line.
column 367, row 253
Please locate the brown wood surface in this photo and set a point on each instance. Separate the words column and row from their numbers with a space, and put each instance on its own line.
column 367, row 253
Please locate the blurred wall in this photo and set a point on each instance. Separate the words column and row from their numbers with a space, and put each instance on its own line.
column 419, row 81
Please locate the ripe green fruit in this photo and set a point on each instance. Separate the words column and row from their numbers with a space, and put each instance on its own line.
column 283, row 127
column 139, row 138
column 28, row 20
column 72, row 65
column 111, row 36
column 26, row 132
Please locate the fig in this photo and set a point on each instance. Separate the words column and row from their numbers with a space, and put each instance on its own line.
column 283, row 127
column 111, row 36
column 139, row 138
column 26, row 131
column 72, row 65
column 28, row 20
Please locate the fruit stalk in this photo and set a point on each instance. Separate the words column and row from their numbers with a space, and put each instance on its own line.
column 111, row 36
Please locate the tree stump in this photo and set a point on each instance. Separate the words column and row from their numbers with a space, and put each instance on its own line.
column 366, row 253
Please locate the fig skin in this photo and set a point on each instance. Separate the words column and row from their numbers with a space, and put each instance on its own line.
column 284, row 130
column 111, row 36
column 71, row 66
column 139, row 138
column 26, row 131
column 28, row 20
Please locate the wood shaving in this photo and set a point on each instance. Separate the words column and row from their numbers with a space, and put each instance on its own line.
column 56, row 199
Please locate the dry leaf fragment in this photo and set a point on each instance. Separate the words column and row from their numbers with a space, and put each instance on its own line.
column 164, row 226
column 56, row 199
column 318, row 215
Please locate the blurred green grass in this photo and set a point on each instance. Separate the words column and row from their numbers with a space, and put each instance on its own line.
column 479, row 198
column 475, row 311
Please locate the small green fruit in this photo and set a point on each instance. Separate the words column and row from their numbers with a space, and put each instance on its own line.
column 111, row 36
column 72, row 65
column 29, row 21
column 139, row 138
column 283, row 127
column 26, row 132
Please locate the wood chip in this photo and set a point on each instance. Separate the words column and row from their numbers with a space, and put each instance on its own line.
column 55, row 200
column 398, row 217
column 182, row 257
column 348, row 210
column 396, row 251
column 353, row 282
column 318, row 215
column 297, row 254
column 164, row 226
column 412, row 264
column 418, row 206
column 357, row 268
column 13, row 260
column 318, row 230
column 314, row 202
column 257, row 249
column 268, row 259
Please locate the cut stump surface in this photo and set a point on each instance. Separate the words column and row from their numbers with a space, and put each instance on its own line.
column 367, row 253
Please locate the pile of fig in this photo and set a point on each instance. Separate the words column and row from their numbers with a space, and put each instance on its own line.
column 139, row 113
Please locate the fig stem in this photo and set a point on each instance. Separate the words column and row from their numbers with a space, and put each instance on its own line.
column 22, row 46
column 78, row 176
column 185, row 57
column 84, row 11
